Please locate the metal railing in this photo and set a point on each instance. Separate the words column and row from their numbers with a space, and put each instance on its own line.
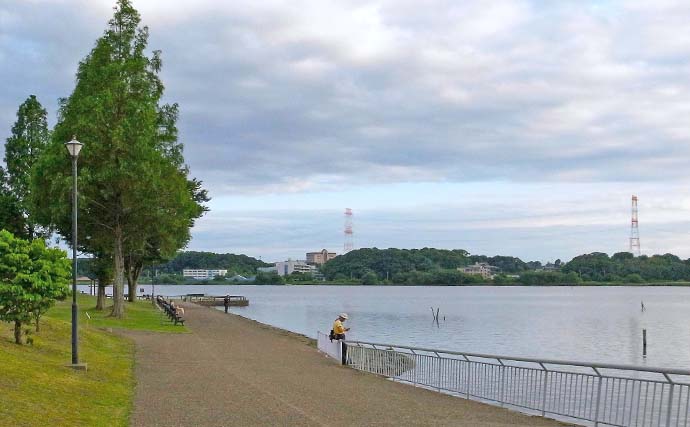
column 590, row 393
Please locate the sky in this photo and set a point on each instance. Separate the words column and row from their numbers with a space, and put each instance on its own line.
column 499, row 127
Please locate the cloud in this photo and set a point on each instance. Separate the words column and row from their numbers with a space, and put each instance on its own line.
column 275, row 93
column 310, row 97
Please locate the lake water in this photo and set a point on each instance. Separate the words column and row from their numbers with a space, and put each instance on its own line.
column 594, row 324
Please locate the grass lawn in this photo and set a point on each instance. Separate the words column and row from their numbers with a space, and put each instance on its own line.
column 139, row 315
column 36, row 387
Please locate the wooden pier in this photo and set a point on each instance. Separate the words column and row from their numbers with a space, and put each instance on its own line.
column 216, row 301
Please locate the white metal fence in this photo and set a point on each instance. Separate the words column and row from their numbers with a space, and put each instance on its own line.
column 331, row 348
column 590, row 393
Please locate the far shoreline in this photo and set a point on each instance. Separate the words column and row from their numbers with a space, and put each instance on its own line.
column 478, row 285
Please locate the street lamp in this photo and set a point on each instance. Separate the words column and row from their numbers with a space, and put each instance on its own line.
column 73, row 147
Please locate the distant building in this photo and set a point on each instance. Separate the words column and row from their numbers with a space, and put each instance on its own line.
column 285, row 268
column 202, row 274
column 240, row 278
column 271, row 269
column 320, row 258
column 550, row 267
column 479, row 268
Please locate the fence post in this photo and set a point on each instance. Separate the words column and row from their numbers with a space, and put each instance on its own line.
column 438, row 371
column 596, row 411
column 503, row 385
column 544, row 386
column 414, row 376
column 670, row 401
column 467, row 378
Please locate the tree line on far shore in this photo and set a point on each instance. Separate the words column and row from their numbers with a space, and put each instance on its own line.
column 430, row 266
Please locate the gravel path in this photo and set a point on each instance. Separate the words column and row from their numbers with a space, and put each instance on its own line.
column 231, row 371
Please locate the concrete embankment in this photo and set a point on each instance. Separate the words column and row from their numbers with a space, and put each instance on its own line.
column 231, row 371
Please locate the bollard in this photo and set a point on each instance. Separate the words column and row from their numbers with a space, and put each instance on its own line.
column 644, row 343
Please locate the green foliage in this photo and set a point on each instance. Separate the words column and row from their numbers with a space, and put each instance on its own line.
column 29, row 137
column 406, row 265
column 32, row 277
column 370, row 279
column 11, row 217
column 506, row 264
column 299, row 277
column 541, row 278
column 623, row 266
column 172, row 279
column 502, row 279
column 235, row 264
column 136, row 201
column 268, row 279
column 390, row 262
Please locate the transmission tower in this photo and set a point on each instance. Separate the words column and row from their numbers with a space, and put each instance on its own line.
column 634, row 230
column 349, row 245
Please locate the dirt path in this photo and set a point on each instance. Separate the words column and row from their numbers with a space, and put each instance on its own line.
column 231, row 371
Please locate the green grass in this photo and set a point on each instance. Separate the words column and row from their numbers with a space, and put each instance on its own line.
column 139, row 315
column 36, row 386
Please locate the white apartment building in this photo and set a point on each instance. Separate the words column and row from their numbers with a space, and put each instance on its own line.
column 284, row 268
column 202, row 274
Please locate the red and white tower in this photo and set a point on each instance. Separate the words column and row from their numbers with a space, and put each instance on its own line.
column 634, row 230
column 349, row 244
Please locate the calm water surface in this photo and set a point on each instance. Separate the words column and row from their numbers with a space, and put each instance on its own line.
column 602, row 324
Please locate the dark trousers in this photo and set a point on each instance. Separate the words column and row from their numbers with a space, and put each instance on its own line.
column 344, row 352
column 226, row 308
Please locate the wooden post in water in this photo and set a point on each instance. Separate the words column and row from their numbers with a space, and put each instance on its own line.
column 644, row 343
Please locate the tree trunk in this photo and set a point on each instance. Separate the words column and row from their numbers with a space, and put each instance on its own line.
column 18, row 332
column 119, row 279
column 38, row 318
column 100, row 300
column 136, row 272
column 131, row 279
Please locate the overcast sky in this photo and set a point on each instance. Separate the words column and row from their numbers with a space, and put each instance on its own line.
column 500, row 127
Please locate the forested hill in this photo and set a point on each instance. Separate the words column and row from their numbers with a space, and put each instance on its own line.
column 434, row 265
column 235, row 264
column 390, row 262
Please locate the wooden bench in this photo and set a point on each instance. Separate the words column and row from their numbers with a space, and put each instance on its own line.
column 170, row 312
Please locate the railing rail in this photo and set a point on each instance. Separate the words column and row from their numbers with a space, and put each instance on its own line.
column 590, row 393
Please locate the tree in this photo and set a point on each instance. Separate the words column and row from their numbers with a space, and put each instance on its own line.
column 32, row 277
column 268, row 279
column 102, row 270
column 168, row 233
column 29, row 137
column 11, row 218
column 134, row 188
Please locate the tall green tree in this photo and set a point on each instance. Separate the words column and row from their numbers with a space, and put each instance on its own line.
column 29, row 137
column 11, row 218
column 131, row 176
column 32, row 277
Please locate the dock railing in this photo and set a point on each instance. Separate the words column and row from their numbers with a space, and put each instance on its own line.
column 588, row 393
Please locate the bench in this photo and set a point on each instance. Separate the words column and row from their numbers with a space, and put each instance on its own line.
column 170, row 311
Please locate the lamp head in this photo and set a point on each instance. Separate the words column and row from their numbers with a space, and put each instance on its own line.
column 73, row 147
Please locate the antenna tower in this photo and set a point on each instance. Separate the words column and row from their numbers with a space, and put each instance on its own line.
column 634, row 230
column 349, row 245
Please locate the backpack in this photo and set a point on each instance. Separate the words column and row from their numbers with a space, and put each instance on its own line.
column 331, row 336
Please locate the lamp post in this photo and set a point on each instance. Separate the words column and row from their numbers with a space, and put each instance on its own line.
column 73, row 147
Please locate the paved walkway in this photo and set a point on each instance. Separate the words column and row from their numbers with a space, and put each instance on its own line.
column 231, row 371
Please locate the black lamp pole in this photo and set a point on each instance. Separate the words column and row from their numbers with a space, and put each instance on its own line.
column 74, row 147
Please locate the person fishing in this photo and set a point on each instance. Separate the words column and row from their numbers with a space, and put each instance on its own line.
column 338, row 333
